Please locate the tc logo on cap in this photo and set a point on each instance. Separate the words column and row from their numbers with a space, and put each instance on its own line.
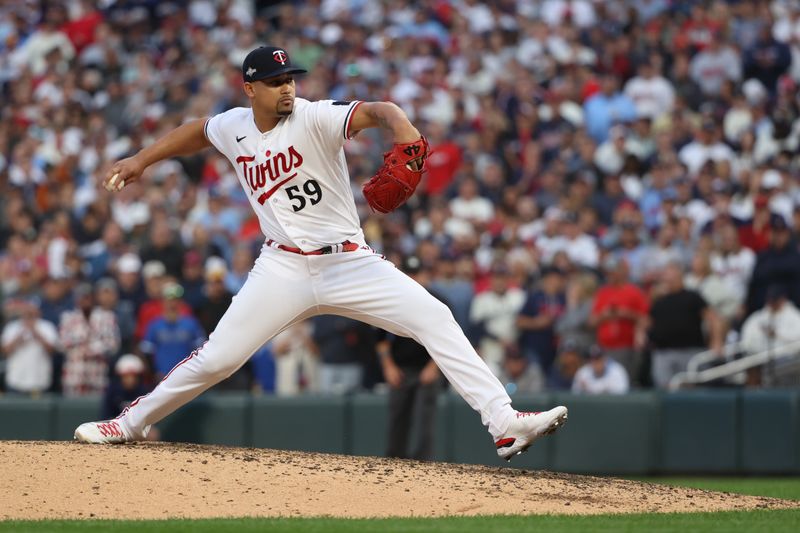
column 279, row 56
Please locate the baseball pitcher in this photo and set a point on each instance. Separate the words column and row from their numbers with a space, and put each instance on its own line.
column 288, row 154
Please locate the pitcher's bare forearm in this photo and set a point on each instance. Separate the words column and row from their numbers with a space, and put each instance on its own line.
column 385, row 115
column 183, row 140
column 186, row 139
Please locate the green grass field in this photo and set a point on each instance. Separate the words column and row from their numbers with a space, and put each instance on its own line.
column 761, row 521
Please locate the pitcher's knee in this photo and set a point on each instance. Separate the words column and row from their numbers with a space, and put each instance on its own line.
column 217, row 366
column 434, row 314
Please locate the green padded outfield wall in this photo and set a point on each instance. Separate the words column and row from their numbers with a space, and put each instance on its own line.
column 219, row 419
column 306, row 423
column 606, row 434
column 699, row 431
column 24, row 419
column 770, row 445
column 694, row 432
column 368, row 416
column 69, row 413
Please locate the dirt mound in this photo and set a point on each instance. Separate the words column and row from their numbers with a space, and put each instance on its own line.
column 160, row 480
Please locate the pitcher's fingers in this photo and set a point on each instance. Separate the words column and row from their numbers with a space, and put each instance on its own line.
column 111, row 184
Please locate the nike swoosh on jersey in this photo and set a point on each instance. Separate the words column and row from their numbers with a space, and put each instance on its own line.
column 239, row 139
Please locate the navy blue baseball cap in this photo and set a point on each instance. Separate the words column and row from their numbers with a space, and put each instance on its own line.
column 266, row 62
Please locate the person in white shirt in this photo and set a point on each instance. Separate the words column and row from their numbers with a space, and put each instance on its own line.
column 600, row 375
column 469, row 205
column 652, row 93
column 713, row 66
column 556, row 13
column 580, row 248
column 296, row 363
column 774, row 325
column 714, row 289
column 705, row 147
column 610, row 155
column 663, row 251
column 28, row 344
column 733, row 262
column 494, row 314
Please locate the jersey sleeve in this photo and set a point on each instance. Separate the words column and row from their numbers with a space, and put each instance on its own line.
column 221, row 130
column 332, row 118
column 213, row 130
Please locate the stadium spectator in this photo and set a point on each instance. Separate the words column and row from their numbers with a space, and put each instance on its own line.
column 606, row 108
column 733, row 263
column 580, row 248
column 536, row 321
column 620, row 314
column 493, row 316
column 664, row 250
column 706, row 146
column 652, row 94
column 155, row 277
column 718, row 293
column 767, row 60
column 221, row 222
column 600, row 375
column 126, row 385
column 775, row 325
column 567, row 363
column 89, row 336
column 678, row 318
column 241, row 263
column 453, row 280
column 343, row 345
column 296, row 361
column 171, row 336
column 442, row 166
column 779, row 263
column 55, row 299
column 28, row 343
column 163, row 248
column 107, row 297
column 714, row 65
column 130, row 292
column 193, row 280
column 574, row 323
column 215, row 297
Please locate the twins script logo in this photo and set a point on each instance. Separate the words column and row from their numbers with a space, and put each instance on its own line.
column 272, row 170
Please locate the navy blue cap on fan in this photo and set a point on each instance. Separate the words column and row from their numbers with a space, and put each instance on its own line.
column 266, row 62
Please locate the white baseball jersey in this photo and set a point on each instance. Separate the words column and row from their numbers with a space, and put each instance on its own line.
column 295, row 175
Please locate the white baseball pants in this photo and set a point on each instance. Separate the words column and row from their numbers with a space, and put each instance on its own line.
column 284, row 287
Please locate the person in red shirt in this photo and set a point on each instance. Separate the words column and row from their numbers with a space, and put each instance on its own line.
column 755, row 234
column 620, row 314
column 155, row 276
column 443, row 163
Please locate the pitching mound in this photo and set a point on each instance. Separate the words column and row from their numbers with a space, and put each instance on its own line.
column 160, row 480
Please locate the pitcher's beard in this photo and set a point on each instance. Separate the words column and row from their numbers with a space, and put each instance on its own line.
column 285, row 111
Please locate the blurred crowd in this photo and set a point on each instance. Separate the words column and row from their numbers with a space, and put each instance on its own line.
column 613, row 185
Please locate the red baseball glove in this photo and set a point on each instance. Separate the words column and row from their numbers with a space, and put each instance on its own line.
column 396, row 180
